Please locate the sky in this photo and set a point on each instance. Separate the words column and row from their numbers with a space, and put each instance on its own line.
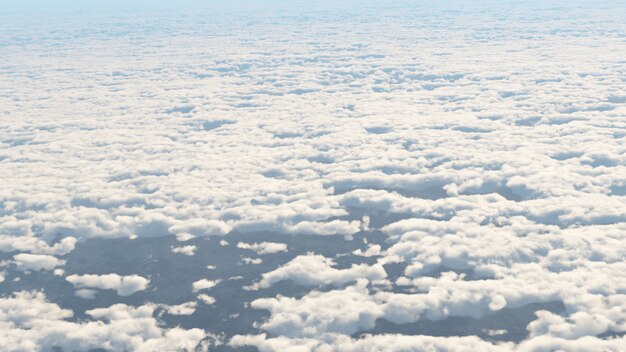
column 312, row 176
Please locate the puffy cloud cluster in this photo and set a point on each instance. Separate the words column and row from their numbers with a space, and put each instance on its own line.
column 185, row 250
column 124, row 285
column 30, row 323
column 186, row 308
column 318, row 270
column 37, row 262
column 472, row 132
column 36, row 245
column 206, row 299
column 406, row 343
column 263, row 247
column 204, row 284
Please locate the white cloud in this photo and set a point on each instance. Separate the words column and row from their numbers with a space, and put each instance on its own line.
column 184, row 236
column 206, row 299
column 186, row 250
column 35, row 245
column 204, row 284
column 263, row 247
column 371, row 251
column 186, row 308
column 29, row 322
column 86, row 293
column 382, row 343
column 200, row 227
column 124, row 285
column 37, row 262
column 254, row 261
column 342, row 311
column 335, row 227
column 497, row 302
column 318, row 270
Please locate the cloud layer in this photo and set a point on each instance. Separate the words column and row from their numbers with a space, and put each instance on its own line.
column 459, row 161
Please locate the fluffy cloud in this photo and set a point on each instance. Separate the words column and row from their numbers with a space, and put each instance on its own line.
column 186, row 308
column 318, row 270
column 390, row 343
column 382, row 343
column 86, row 293
column 186, row 250
column 341, row 311
column 29, row 323
column 204, row 284
column 124, row 285
column 371, row 251
column 206, row 299
column 37, row 262
column 253, row 261
column 35, row 245
column 263, row 247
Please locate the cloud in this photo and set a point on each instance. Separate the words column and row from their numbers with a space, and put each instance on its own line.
column 254, row 261
column 35, row 245
column 37, row 262
column 263, row 247
column 186, row 308
column 396, row 342
column 335, row 227
column 383, row 343
column 371, row 251
column 204, row 284
column 317, row 270
column 341, row 311
column 124, row 285
column 200, row 227
column 29, row 322
column 184, row 236
column 206, row 299
column 186, row 250
column 86, row 293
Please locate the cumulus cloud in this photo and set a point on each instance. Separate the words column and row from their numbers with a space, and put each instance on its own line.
column 206, row 299
column 200, row 227
column 184, row 236
column 186, row 250
column 204, row 284
column 186, row 308
column 263, row 247
column 29, row 322
column 36, row 245
column 86, row 293
column 124, row 285
column 335, row 227
column 37, row 262
column 342, row 311
column 254, row 261
column 371, row 251
column 318, row 270
column 383, row 343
